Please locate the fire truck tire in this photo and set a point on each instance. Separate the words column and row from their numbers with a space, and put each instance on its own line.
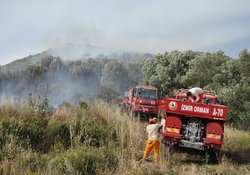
column 212, row 156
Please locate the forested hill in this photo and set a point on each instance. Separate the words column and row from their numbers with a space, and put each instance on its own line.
column 68, row 81
column 52, row 78
column 75, row 52
column 22, row 64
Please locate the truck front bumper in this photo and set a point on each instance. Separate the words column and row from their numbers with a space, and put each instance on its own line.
column 145, row 109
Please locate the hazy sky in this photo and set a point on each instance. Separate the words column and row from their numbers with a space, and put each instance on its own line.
column 32, row 26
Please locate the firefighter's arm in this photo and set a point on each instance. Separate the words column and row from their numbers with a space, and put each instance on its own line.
column 191, row 99
column 197, row 97
column 160, row 127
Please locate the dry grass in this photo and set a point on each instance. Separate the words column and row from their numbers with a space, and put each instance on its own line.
column 130, row 143
column 130, row 135
column 64, row 113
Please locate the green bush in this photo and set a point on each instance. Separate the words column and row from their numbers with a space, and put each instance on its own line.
column 95, row 134
column 31, row 133
column 7, row 126
column 84, row 160
column 57, row 131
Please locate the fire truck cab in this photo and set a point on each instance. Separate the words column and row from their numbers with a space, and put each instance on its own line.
column 142, row 101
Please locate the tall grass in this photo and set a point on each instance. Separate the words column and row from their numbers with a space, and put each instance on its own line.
column 129, row 133
column 99, row 139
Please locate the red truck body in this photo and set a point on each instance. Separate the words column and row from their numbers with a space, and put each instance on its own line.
column 141, row 100
column 193, row 125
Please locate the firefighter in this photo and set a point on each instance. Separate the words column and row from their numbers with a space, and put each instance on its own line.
column 195, row 95
column 153, row 130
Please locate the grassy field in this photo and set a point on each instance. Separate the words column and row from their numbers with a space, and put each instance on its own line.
column 99, row 139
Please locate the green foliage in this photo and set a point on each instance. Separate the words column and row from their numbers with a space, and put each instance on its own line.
column 84, row 160
column 57, row 132
column 134, row 71
column 31, row 132
column 245, row 63
column 228, row 75
column 32, row 161
column 115, row 76
column 166, row 71
column 95, row 134
column 204, row 68
column 8, row 126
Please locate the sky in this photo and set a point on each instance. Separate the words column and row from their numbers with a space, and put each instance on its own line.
column 153, row 26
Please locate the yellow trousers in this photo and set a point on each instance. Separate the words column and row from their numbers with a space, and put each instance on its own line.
column 149, row 146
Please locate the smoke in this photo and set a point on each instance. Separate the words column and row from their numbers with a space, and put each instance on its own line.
column 63, row 86
column 57, row 84
column 67, row 81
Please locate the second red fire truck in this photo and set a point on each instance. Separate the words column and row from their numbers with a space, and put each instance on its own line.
column 141, row 101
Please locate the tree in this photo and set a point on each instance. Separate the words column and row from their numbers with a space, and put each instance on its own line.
column 229, row 74
column 204, row 68
column 167, row 71
column 134, row 72
column 244, row 60
column 115, row 76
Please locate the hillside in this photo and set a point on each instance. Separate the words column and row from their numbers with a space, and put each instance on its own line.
column 98, row 139
column 85, row 51
column 74, row 52
column 22, row 64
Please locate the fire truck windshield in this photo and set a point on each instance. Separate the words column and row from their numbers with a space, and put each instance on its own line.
column 147, row 94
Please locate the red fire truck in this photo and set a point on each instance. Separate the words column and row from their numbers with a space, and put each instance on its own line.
column 141, row 101
column 194, row 125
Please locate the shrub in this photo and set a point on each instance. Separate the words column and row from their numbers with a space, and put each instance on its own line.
column 83, row 160
column 57, row 131
column 7, row 126
column 95, row 134
column 31, row 133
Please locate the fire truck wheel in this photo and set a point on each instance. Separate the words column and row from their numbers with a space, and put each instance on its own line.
column 212, row 156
